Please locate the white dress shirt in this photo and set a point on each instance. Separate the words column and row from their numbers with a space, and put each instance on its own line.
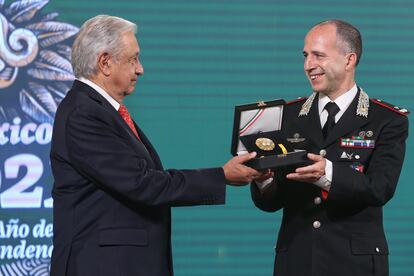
column 101, row 91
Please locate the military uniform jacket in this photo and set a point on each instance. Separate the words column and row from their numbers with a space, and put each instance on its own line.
column 342, row 235
column 112, row 197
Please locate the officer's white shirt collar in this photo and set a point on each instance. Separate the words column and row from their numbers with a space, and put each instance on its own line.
column 343, row 102
column 101, row 91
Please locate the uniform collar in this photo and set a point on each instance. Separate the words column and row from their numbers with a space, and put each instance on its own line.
column 342, row 101
column 361, row 109
column 101, row 91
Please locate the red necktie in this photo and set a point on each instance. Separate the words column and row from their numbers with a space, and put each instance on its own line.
column 123, row 111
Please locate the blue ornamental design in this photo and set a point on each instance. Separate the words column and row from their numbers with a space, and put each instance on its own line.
column 35, row 75
column 35, row 69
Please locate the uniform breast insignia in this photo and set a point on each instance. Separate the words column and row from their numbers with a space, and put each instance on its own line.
column 346, row 155
column 358, row 167
column 357, row 142
column 399, row 110
column 368, row 133
column 296, row 138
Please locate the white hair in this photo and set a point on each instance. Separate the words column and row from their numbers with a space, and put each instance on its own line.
column 98, row 35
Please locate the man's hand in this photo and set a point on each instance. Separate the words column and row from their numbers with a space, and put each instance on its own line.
column 265, row 176
column 310, row 173
column 239, row 174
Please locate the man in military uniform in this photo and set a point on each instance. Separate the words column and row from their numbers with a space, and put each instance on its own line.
column 332, row 209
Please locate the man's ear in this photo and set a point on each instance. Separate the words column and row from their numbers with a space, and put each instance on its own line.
column 105, row 63
column 351, row 60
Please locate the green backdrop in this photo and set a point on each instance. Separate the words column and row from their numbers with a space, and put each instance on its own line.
column 201, row 58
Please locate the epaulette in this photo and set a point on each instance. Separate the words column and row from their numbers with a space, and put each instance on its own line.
column 396, row 109
column 300, row 99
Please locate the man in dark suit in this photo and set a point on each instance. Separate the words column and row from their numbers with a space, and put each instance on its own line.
column 112, row 197
column 332, row 209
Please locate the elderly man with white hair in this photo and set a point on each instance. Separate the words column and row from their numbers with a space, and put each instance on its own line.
column 112, row 197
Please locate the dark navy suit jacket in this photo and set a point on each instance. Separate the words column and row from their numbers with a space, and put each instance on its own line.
column 112, row 197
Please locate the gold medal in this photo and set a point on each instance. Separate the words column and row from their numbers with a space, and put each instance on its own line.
column 265, row 144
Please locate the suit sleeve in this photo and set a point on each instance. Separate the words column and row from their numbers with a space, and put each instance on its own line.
column 107, row 160
column 377, row 186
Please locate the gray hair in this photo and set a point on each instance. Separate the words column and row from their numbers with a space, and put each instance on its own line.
column 99, row 34
column 350, row 37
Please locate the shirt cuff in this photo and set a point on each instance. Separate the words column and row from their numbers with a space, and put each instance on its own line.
column 263, row 185
column 325, row 181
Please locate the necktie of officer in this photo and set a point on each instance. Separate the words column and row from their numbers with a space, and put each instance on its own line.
column 123, row 111
column 332, row 109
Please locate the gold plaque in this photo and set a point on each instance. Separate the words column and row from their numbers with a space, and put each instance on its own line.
column 265, row 144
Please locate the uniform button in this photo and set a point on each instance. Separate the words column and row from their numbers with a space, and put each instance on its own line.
column 317, row 200
column 316, row 224
column 377, row 249
column 322, row 153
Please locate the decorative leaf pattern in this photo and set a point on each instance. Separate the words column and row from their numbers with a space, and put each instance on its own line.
column 43, row 96
column 7, row 73
column 24, row 10
column 52, row 32
column 8, row 76
column 34, row 109
column 65, row 51
column 55, row 60
column 3, row 116
column 49, row 16
column 58, row 91
column 51, row 66
column 50, row 71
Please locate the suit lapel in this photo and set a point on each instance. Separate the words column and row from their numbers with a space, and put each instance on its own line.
column 110, row 109
column 347, row 123
column 149, row 147
column 136, row 142
column 141, row 148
